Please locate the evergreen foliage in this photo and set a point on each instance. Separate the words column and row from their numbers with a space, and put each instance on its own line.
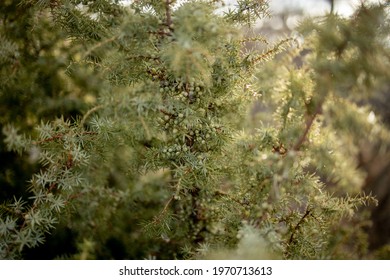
column 136, row 124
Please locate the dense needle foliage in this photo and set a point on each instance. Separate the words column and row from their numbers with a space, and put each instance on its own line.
column 160, row 129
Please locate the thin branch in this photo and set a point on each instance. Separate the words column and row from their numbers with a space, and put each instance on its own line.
column 168, row 14
column 163, row 211
column 271, row 52
column 60, row 136
column 100, row 44
column 90, row 111
column 53, row 138
column 73, row 197
column 331, row 6
column 142, row 57
column 309, row 124
column 160, row 33
column 222, row 193
column 298, row 225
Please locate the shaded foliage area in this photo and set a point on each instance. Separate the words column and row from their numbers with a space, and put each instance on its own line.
column 128, row 134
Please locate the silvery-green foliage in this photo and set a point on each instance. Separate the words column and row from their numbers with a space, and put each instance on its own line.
column 163, row 158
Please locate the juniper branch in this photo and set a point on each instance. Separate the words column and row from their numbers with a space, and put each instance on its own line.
column 298, row 225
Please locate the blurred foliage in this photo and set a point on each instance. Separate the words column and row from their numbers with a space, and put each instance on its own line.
column 152, row 131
